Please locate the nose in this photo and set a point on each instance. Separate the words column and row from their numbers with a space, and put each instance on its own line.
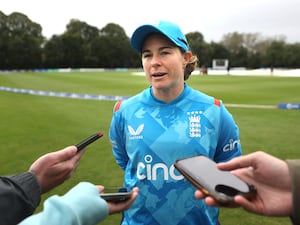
column 155, row 61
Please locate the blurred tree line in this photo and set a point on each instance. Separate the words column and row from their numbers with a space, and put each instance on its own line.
column 22, row 46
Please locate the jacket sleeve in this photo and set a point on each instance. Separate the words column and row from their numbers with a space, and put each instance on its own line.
column 229, row 145
column 294, row 168
column 117, row 137
column 82, row 205
column 20, row 194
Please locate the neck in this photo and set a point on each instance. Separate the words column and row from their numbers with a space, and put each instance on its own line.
column 168, row 94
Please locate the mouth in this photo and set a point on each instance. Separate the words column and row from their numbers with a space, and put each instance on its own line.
column 158, row 75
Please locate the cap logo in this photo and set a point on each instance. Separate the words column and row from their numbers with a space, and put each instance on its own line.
column 182, row 40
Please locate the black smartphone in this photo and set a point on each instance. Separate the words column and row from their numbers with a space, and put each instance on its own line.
column 88, row 141
column 203, row 173
column 116, row 194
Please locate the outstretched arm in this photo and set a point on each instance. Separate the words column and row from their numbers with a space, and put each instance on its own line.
column 271, row 178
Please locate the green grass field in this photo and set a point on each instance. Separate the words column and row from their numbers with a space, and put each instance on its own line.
column 33, row 125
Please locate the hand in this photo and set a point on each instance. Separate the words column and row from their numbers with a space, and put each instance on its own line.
column 116, row 207
column 54, row 168
column 271, row 178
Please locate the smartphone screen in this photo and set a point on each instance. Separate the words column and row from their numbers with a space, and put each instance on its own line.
column 203, row 173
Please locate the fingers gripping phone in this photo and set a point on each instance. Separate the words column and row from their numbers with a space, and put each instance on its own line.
column 116, row 194
column 203, row 173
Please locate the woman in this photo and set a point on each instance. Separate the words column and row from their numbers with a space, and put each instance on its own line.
column 167, row 121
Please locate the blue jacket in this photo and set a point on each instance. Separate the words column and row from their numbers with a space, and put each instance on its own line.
column 149, row 135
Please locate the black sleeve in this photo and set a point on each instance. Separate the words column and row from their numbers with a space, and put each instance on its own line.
column 294, row 168
column 20, row 194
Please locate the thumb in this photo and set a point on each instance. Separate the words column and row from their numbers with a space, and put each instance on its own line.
column 66, row 153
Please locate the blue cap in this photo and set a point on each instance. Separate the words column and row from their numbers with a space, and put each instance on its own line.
column 168, row 29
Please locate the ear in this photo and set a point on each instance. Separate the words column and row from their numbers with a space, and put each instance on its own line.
column 186, row 56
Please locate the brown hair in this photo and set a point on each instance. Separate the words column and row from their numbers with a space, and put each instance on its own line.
column 190, row 67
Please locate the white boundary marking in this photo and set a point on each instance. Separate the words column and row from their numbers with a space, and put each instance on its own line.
column 116, row 98
column 108, row 98
column 250, row 106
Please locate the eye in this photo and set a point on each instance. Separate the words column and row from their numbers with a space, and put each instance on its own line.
column 165, row 53
column 146, row 55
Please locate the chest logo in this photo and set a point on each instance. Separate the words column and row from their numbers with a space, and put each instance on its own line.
column 194, row 123
column 136, row 134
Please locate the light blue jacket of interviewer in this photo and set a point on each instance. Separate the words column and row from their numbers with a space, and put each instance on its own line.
column 82, row 205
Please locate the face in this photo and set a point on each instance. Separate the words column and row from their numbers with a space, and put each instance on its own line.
column 164, row 64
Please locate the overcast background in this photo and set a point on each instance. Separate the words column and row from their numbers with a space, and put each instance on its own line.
column 213, row 18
